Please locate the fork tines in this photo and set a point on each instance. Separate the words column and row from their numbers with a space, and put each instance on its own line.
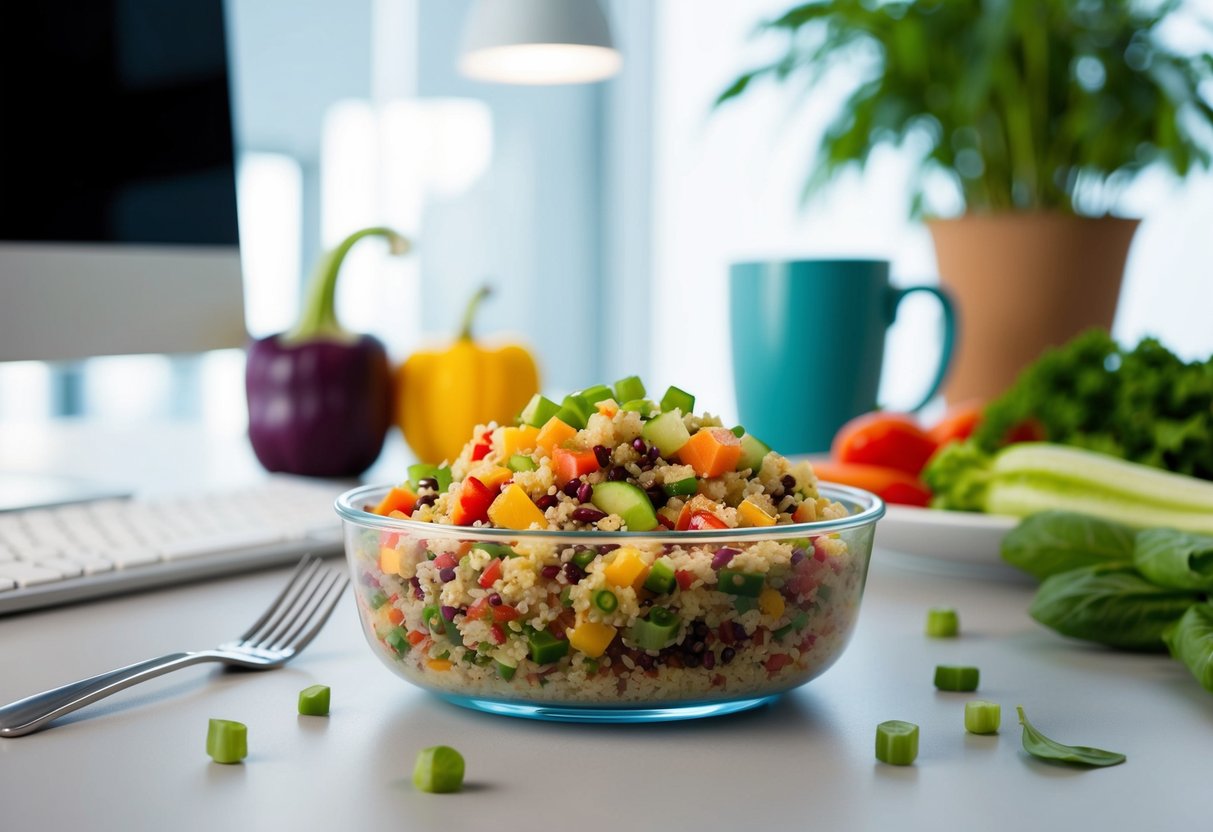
column 308, row 599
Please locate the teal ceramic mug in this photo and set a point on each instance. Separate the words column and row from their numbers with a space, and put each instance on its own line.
column 808, row 344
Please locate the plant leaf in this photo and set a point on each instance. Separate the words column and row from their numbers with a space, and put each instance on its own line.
column 1038, row 745
column 1110, row 605
column 1191, row 641
column 1175, row 559
column 1051, row 542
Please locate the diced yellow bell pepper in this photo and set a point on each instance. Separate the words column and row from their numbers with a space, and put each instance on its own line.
column 441, row 665
column 389, row 560
column 517, row 440
column 513, row 509
column 554, row 433
column 771, row 602
column 626, row 568
column 752, row 515
column 591, row 638
column 493, row 476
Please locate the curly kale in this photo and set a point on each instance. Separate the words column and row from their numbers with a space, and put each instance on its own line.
column 1145, row 405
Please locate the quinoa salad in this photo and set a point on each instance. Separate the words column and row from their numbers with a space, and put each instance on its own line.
column 748, row 606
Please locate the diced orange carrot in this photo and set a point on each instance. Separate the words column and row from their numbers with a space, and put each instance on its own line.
column 711, row 452
column 415, row 637
column 398, row 499
column 394, row 615
column 569, row 464
column 554, row 433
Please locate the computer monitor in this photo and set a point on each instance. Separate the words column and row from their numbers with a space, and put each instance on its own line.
column 118, row 229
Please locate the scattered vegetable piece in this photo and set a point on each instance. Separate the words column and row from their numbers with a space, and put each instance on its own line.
column 753, row 515
column 438, row 769
column 711, row 452
column 591, row 637
column 226, row 741
column 314, row 700
column 628, row 389
column 676, row 398
column 982, row 717
column 513, row 509
column 897, row 742
column 554, row 433
column 397, row 499
column 626, row 568
column 942, row 622
column 956, row 677
column 1038, row 745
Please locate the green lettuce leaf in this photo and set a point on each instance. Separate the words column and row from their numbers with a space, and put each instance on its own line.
column 1175, row 559
column 1051, row 542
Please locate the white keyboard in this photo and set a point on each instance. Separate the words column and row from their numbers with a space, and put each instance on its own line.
column 54, row 556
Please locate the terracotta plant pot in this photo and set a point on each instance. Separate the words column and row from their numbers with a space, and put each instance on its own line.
column 1023, row 283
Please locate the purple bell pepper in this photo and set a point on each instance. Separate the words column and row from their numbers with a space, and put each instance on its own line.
column 319, row 397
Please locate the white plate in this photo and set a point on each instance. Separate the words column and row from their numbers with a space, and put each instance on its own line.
column 952, row 541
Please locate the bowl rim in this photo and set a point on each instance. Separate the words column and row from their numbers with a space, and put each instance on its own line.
column 872, row 509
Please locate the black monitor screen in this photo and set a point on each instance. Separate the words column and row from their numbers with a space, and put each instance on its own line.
column 115, row 123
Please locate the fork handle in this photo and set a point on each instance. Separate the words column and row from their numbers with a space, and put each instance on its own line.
column 33, row 713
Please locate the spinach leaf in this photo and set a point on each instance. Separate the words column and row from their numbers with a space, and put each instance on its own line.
column 1191, row 641
column 1057, row 541
column 1038, row 745
column 1175, row 559
column 1111, row 605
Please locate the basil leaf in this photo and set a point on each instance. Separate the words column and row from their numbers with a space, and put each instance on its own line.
column 1111, row 605
column 1051, row 542
column 1175, row 559
column 1038, row 745
column 1191, row 641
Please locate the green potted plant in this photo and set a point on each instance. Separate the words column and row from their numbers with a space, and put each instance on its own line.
column 1038, row 112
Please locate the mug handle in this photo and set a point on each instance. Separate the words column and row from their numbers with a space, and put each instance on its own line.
column 949, row 335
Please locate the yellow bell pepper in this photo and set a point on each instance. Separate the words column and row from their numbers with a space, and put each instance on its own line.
column 590, row 638
column 442, row 395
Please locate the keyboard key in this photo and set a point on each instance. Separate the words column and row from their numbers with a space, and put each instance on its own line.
column 65, row 567
column 222, row 542
column 128, row 556
column 28, row 574
column 7, row 583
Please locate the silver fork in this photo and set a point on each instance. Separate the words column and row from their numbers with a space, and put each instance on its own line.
column 283, row 630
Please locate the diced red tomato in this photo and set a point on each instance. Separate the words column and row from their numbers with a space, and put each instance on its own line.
column 491, row 574
column 473, row 504
column 777, row 662
column 890, row 484
column 497, row 634
column 446, row 561
column 684, row 578
column 479, row 609
column 892, row 440
column 503, row 613
column 703, row 520
column 568, row 464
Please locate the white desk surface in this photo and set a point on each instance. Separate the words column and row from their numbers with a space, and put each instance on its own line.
column 137, row 761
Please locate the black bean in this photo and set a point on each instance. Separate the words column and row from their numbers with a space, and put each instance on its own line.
column 788, row 482
column 546, row 501
column 570, row 488
column 427, row 482
column 617, row 474
column 639, row 447
column 738, row 632
column 690, row 660
column 550, row 572
column 584, row 492
column 656, row 495
column 447, row 575
column 607, row 547
column 701, row 630
column 654, row 454
column 709, row 660
column 697, row 647
column 495, row 600
column 585, row 514
column 573, row 572
column 644, row 661
column 427, row 500
column 727, row 654
column 603, row 454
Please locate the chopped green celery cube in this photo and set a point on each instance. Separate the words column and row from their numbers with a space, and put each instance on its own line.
column 226, row 741
column 668, row 432
column 314, row 700
column 438, row 769
column 545, row 648
column 735, row 582
column 661, row 577
column 942, row 622
column 538, row 410
column 398, row 640
column 497, row 550
column 897, row 742
column 504, row 670
column 521, row 462
column 676, row 397
column 681, row 488
column 982, row 717
column 738, row 431
column 596, row 394
column 584, row 558
column 798, row 623
column 377, row 599
column 644, row 407
column 656, row 631
column 580, row 404
column 956, row 677
column 571, row 416
column 627, row 389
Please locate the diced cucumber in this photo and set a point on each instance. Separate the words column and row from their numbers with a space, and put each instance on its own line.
column 676, row 398
column 596, row 394
column 753, row 452
column 627, row 389
column 667, row 432
column 580, row 404
column 644, row 407
column 661, row 577
column 571, row 416
column 504, row 670
column 497, row 550
column 735, row 582
column 521, row 462
column 681, row 488
column 538, row 410
column 628, row 501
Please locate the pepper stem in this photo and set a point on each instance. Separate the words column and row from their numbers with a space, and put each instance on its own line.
column 465, row 332
column 319, row 318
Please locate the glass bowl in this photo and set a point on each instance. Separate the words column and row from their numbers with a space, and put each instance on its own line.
column 608, row 626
